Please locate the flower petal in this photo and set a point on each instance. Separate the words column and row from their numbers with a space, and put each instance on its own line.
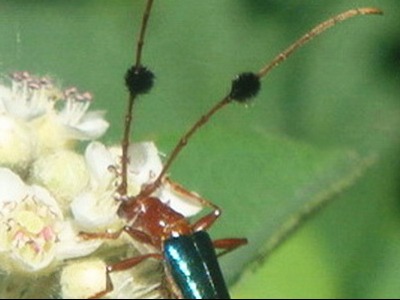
column 83, row 279
column 91, row 126
column 95, row 211
column 144, row 162
column 12, row 188
column 70, row 245
column 180, row 202
column 98, row 160
column 63, row 173
column 17, row 144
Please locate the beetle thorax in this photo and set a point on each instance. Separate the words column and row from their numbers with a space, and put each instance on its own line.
column 155, row 218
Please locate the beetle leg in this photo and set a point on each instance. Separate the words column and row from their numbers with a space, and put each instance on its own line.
column 131, row 262
column 122, row 266
column 101, row 235
column 206, row 221
column 228, row 245
column 139, row 235
column 183, row 191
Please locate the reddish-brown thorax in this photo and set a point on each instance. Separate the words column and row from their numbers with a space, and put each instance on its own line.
column 155, row 218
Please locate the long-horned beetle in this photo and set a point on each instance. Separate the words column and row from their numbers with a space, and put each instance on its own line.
column 186, row 250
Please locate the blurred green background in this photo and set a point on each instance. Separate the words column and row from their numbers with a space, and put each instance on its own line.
column 309, row 137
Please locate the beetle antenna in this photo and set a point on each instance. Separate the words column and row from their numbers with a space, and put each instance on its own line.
column 139, row 80
column 317, row 30
column 140, row 42
column 246, row 86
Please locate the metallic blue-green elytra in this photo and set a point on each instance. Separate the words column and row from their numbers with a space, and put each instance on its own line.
column 193, row 265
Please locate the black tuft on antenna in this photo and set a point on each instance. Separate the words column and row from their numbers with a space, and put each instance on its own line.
column 139, row 80
column 245, row 86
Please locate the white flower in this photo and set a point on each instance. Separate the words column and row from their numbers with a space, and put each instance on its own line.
column 29, row 97
column 144, row 167
column 83, row 279
column 57, row 118
column 32, row 227
column 69, row 122
column 72, row 245
column 144, row 163
column 29, row 223
column 86, row 278
column 179, row 201
column 17, row 144
column 96, row 207
column 143, row 281
column 81, row 124
column 63, row 173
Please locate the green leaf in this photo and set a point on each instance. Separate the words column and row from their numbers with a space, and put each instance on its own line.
column 298, row 270
column 266, row 185
column 389, row 271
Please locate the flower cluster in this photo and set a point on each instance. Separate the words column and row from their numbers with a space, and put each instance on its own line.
column 49, row 192
column 38, row 118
